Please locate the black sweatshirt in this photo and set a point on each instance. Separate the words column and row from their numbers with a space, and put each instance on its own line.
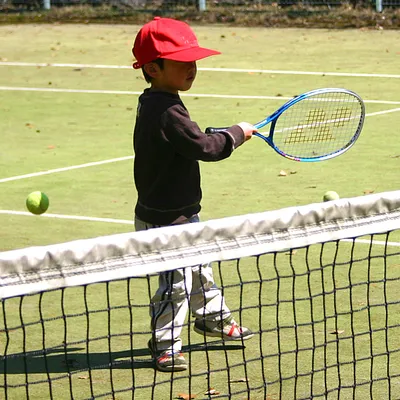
column 167, row 147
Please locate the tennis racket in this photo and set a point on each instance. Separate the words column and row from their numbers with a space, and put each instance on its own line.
column 314, row 126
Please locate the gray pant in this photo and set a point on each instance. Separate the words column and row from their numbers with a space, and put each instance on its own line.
column 177, row 290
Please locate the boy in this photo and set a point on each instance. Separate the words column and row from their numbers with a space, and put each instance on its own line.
column 167, row 148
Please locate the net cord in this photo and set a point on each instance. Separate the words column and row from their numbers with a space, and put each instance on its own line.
column 137, row 254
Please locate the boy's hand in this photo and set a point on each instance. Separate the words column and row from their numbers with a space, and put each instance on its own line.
column 247, row 129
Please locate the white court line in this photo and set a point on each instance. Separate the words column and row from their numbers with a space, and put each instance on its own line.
column 63, row 65
column 91, row 164
column 129, row 222
column 314, row 73
column 52, row 171
column 366, row 241
column 204, row 95
column 382, row 112
column 74, row 217
column 94, row 91
column 260, row 71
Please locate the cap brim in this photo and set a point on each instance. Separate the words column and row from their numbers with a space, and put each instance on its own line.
column 192, row 54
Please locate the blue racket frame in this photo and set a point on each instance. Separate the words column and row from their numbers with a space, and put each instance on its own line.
column 274, row 117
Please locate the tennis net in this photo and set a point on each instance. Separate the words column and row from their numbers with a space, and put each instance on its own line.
column 317, row 284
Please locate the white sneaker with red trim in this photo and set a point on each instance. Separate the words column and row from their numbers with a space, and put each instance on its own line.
column 227, row 329
column 168, row 360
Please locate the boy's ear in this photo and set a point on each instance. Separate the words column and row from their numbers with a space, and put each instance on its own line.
column 152, row 69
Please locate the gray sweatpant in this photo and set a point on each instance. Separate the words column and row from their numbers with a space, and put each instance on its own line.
column 177, row 290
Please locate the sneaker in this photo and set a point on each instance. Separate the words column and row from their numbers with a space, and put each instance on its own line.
column 167, row 360
column 227, row 329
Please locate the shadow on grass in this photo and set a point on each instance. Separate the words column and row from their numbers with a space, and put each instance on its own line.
column 73, row 359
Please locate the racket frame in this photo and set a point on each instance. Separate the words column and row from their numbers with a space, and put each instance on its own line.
column 274, row 117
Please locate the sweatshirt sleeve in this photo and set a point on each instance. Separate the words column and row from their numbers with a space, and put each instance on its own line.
column 188, row 139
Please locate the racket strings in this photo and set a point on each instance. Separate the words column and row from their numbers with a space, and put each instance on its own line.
column 319, row 125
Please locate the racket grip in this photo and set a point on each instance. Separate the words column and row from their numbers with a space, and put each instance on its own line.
column 215, row 130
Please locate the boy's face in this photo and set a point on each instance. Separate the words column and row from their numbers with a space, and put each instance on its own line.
column 175, row 76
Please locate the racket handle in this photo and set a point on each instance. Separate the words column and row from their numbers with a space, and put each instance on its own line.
column 215, row 130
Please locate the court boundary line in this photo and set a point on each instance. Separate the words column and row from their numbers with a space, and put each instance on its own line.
column 198, row 95
column 239, row 70
column 131, row 222
column 74, row 217
column 112, row 160
column 63, row 169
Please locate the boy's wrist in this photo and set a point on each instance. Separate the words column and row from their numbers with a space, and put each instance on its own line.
column 237, row 135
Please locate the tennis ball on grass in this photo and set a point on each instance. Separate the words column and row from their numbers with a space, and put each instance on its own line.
column 37, row 203
column 331, row 195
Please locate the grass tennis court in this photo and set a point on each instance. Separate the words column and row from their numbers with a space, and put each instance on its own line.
column 78, row 115
column 49, row 130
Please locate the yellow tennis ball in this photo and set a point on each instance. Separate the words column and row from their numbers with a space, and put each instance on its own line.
column 331, row 195
column 37, row 203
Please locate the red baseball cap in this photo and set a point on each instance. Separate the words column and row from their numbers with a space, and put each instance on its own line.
column 170, row 39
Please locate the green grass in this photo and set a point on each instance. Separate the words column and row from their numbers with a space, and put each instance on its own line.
column 48, row 130
column 52, row 130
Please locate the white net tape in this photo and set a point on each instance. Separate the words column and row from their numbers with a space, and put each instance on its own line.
column 140, row 253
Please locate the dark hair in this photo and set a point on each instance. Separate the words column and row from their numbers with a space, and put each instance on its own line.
column 159, row 62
